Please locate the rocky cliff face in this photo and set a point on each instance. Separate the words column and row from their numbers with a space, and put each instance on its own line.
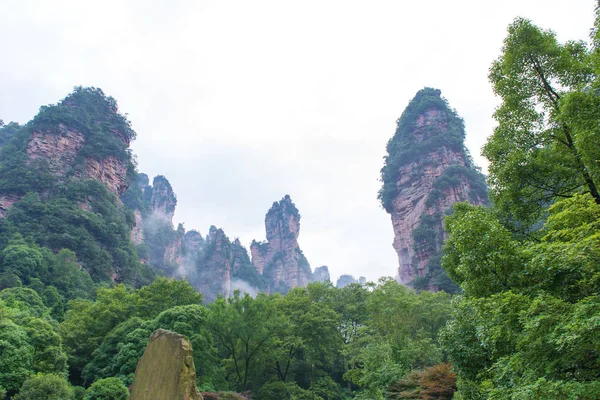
column 213, row 268
column 215, row 265
column 137, row 231
column 345, row 280
column 187, row 254
column 6, row 201
column 163, row 199
column 244, row 276
column 279, row 259
column 193, row 241
column 110, row 170
column 58, row 150
column 427, row 170
column 151, row 201
column 321, row 274
column 154, row 207
column 88, row 141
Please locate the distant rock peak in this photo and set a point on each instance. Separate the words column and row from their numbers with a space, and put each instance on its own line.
column 163, row 200
column 280, row 259
column 345, row 280
column 321, row 274
column 282, row 221
column 426, row 171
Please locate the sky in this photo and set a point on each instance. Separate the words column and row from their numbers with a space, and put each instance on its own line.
column 239, row 103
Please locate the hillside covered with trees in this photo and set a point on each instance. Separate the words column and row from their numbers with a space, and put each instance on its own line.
column 78, row 303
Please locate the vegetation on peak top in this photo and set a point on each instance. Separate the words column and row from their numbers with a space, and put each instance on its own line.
column 170, row 198
column 285, row 204
column 162, row 180
column 82, row 109
column 142, row 179
column 213, row 230
column 7, row 131
column 261, row 245
column 141, row 195
column 138, row 194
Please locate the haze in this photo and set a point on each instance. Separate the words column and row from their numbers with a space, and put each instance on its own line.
column 238, row 103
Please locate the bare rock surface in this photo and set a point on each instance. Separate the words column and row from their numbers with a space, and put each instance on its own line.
column 5, row 202
column 166, row 370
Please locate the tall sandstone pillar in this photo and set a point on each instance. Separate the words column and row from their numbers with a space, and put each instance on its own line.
column 427, row 170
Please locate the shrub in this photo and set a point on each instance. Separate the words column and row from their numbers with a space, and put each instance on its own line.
column 107, row 389
column 45, row 387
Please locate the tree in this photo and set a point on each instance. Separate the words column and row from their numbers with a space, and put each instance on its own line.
column 49, row 356
column 481, row 254
column 29, row 341
column 123, row 346
column 107, row 389
column 16, row 356
column 565, row 261
column 542, row 148
column 105, row 362
column 434, row 383
column 45, row 387
column 24, row 261
column 540, row 324
column 68, row 277
column 25, row 300
column 244, row 328
column 526, row 325
column 314, row 329
column 163, row 294
column 192, row 321
column 285, row 391
column 87, row 323
column 401, row 335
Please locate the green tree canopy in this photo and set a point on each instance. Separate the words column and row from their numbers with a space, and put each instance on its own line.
column 543, row 147
column 107, row 389
column 46, row 387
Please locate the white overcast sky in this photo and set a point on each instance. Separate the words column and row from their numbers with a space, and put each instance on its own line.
column 238, row 103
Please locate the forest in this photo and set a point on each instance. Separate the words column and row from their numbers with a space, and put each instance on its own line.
column 524, row 322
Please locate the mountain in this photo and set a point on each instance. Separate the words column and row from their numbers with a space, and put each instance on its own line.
column 213, row 265
column 427, row 169
column 60, row 178
column 68, row 181
column 345, row 280
column 321, row 274
column 153, row 207
column 279, row 259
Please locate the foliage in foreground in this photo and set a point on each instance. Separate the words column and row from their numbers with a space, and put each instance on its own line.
column 316, row 342
column 526, row 325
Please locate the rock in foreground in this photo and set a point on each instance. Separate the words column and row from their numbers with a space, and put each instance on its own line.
column 166, row 370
